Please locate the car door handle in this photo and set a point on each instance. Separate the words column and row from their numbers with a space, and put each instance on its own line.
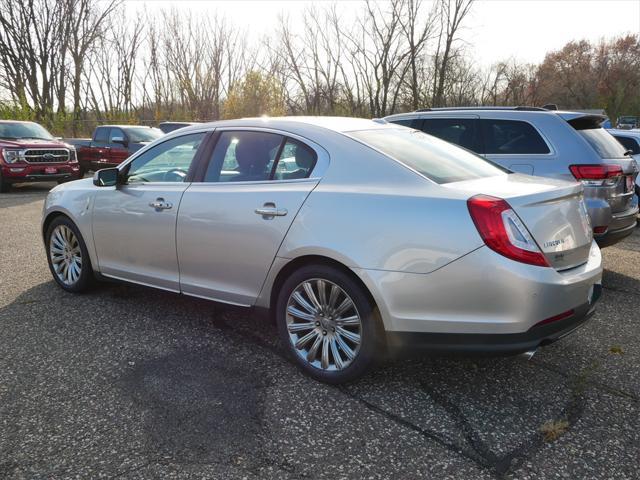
column 160, row 204
column 271, row 211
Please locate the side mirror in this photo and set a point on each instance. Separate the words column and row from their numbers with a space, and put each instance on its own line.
column 119, row 140
column 107, row 177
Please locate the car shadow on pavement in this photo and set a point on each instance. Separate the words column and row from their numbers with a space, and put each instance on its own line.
column 25, row 193
column 170, row 378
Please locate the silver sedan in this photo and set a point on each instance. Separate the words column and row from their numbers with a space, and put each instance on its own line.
column 358, row 235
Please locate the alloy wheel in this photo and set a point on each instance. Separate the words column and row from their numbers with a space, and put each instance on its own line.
column 66, row 255
column 324, row 325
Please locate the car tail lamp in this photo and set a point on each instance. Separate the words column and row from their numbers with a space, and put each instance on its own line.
column 503, row 231
column 597, row 175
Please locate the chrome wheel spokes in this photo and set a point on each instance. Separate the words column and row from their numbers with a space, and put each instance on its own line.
column 65, row 253
column 324, row 325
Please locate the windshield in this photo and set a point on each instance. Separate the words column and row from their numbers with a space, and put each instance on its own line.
column 143, row 134
column 436, row 159
column 603, row 142
column 19, row 130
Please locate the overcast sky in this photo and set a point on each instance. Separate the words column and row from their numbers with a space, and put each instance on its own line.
column 496, row 30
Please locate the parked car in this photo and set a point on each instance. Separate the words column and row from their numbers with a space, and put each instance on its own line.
column 29, row 153
column 168, row 127
column 628, row 122
column 554, row 144
column 630, row 140
column 382, row 235
column 111, row 145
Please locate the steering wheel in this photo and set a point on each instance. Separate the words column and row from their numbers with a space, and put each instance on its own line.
column 174, row 175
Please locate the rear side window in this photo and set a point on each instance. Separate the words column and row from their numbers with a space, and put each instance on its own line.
column 436, row 159
column 296, row 161
column 461, row 131
column 510, row 137
column 405, row 122
column 629, row 143
column 102, row 134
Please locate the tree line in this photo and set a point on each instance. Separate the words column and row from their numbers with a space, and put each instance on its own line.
column 71, row 64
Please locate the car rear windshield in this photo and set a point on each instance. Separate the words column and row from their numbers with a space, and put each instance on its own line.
column 436, row 159
column 143, row 134
column 603, row 142
column 15, row 131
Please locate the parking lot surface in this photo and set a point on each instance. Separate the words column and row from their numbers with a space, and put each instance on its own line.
column 130, row 382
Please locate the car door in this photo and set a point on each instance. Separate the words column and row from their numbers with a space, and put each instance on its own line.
column 232, row 222
column 134, row 224
column 118, row 150
column 515, row 144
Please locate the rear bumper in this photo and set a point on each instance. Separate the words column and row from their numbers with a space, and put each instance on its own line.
column 481, row 293
column 621, row 226
column 36, row 173
column 514, row 343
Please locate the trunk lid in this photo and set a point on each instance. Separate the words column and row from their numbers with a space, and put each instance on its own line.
column 552, row 210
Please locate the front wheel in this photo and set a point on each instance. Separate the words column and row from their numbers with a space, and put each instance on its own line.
column 328, row 324
column 67, row 256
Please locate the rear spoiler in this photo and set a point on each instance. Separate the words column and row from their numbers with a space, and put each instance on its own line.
column 583, row 121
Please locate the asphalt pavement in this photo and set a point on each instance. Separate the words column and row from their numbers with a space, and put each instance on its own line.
column 130, row 382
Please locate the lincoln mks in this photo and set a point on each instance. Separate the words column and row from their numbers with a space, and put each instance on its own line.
column 358, row 235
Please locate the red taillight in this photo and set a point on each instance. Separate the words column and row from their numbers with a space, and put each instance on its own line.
column 600, row 230
column 502, row 230
column 595, row 172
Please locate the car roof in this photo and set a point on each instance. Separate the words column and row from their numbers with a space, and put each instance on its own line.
column 18, row 121
column 522, row 110
column 298, row 124
column 125, row 126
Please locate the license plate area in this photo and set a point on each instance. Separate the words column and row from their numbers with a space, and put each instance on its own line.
column 629, row 184
column 50, row 170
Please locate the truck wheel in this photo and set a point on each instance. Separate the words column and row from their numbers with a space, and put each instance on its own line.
column 4, row 186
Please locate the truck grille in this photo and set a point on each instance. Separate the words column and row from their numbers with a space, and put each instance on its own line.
column 42, row 155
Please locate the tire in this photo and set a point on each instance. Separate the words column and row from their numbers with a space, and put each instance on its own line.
column 4, row 186
column 65, row 247
column 317, row 327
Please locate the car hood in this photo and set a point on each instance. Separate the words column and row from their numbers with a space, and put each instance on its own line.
column 31, row 143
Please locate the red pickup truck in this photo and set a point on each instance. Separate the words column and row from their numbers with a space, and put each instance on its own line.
column 29, row 153
column 111, row 145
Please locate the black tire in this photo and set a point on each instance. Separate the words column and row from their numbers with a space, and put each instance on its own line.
column 86, row 278
column 4, row 186
column 371, row 331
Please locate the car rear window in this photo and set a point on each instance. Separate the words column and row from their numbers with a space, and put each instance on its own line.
column 436, row 159
column 603, row 142
column 510, row 137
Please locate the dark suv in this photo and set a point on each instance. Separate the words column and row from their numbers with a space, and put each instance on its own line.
column 547, row 143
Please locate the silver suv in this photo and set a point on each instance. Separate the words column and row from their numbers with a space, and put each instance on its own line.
column 548, row 143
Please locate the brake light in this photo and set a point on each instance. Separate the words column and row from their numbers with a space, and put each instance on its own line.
column 503, row 231
column 555, row 318
column 596, row 175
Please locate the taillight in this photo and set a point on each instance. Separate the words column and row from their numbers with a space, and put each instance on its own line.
column 596, row 175
column 503, row 231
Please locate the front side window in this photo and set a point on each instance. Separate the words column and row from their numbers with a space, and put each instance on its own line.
column 460, row 131
column 436, row 159
column 510, row 137
column 166, row 162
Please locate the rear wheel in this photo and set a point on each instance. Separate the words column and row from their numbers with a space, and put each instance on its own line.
column 67, row 256
column 328, row 324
